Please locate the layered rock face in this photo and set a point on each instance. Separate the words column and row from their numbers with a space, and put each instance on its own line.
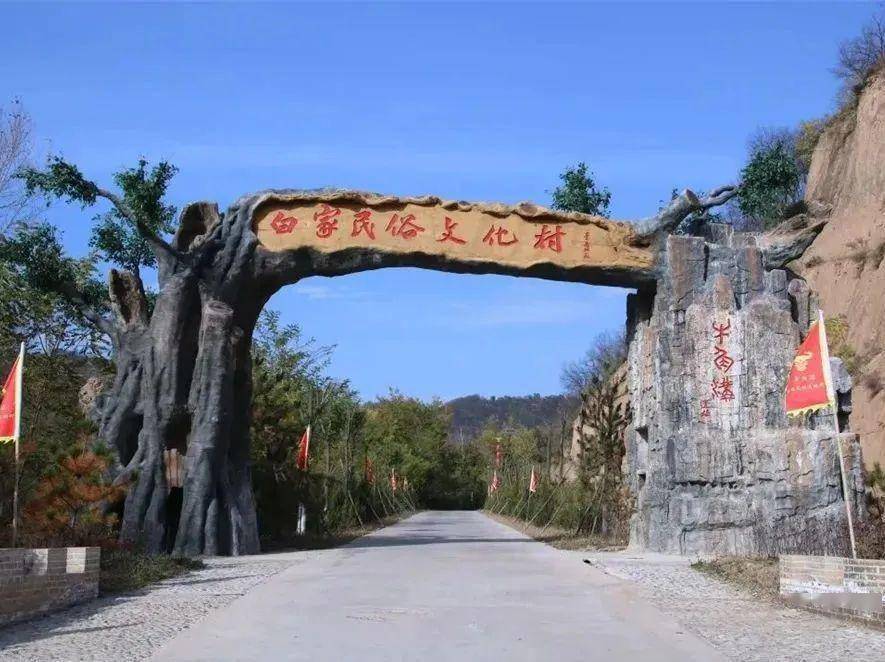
column 712, row 461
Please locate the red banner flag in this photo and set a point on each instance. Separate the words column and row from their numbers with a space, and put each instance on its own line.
column 11, row 404
column 303, row 451
column 498, row 455
column 393, row 480
column 533, row 481
column 496, row 483
column 809, row 384
column 370, row 472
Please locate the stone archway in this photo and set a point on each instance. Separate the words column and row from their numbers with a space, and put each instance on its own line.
column 183, row 377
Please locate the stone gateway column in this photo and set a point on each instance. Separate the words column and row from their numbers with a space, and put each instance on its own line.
column 712, row 462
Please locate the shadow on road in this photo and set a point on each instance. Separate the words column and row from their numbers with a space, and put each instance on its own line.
column 408, row 541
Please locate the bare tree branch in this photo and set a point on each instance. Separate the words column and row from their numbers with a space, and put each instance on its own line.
column 670, row 216
column 70, row 292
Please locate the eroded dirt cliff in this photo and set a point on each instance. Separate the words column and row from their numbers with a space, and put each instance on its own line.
column 846, row 263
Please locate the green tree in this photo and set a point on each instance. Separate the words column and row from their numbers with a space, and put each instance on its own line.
column 579, row 192
column 122, row 235
column 408, row 436
column 602, row 451
column 291, row 390
column 772, row 179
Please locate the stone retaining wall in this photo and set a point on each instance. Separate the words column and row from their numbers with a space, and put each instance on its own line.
column 34, row 581
column 853, row 588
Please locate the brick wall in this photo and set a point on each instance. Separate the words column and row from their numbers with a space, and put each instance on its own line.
column 34, row 581
column 854, row 588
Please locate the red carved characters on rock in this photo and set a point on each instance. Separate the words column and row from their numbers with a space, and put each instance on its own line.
column 363, row 223
column 722, row 360
column 327, row 220
column 283, row 224
column 723, row 388
column 551, row 239
column 705, row 410
column 721, row 331
column 500, row 236
column 449, row 233
column 404, row 226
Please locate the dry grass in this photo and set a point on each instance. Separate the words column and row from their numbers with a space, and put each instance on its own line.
column 758, row 576
column 125, row 570
column 559, row 538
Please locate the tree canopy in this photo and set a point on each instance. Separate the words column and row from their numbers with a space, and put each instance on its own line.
column 579, row 192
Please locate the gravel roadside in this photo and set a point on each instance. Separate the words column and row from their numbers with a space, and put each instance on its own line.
column 741, row 626
column 131, row 626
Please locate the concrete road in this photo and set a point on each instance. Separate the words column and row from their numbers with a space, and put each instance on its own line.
column 440, row 586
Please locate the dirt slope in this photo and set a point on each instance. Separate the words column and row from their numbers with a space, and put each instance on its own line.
column 845, row 264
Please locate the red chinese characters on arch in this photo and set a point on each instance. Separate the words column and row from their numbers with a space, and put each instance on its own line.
column 327, row 220
column 722, row 385
column 403, row 226
column 283, row 224
column 461, row 233
column 549, row 239
column 363, row 224
column 449, row 233
column 499, row 236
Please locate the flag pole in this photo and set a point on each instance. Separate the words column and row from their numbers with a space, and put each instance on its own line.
column 17, row 435
column 835, row 407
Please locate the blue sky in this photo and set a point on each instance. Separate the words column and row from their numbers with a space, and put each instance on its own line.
column 466, row 101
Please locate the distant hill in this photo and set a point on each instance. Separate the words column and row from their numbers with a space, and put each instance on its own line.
column 472, row 413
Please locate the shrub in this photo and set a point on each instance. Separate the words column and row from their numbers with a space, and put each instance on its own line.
column 837, row 339
column 772, row 179
column 807, row 137
column 861, row 56
column 69, row 504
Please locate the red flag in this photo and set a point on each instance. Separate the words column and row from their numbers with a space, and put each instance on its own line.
column 11, row 404
column 533, row 481
column 303, row 450
column 370, row 472
column 393, row 480
column 496, row 483
column 809, row 384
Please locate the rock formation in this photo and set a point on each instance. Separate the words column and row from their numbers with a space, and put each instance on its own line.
column 713, row 462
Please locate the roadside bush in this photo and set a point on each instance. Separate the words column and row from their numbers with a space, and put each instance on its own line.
column 70, row 505
column 128, row 570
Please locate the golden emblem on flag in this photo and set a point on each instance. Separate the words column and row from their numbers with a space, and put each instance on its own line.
column 801, row 361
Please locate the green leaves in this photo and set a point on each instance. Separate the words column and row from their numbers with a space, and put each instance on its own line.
column 580, row 193
column 35, row 253
column 115, row 235
column 771, row 181
column 60, row 179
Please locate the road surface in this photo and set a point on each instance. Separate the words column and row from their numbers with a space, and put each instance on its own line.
column 440, row 586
